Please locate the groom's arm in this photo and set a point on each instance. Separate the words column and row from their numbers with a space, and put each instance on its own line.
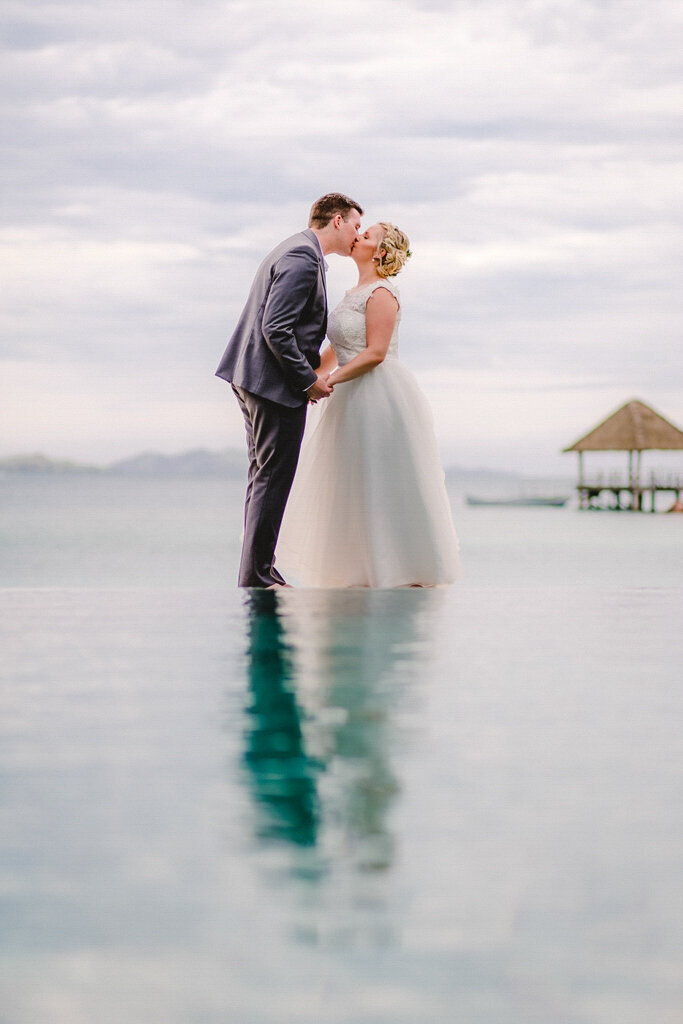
column 295, row 275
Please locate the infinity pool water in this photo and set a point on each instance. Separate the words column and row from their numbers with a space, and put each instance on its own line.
column 340, row 807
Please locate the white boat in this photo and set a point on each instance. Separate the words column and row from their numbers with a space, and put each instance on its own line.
column 553, row 501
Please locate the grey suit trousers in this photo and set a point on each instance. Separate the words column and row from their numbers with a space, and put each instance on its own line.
column 274, row 435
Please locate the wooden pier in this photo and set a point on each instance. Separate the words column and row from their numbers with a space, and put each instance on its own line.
column 623, row 496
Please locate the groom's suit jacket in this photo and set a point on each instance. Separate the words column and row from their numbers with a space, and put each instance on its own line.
column 275, row 348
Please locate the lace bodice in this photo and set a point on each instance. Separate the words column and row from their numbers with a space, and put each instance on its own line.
column 346, row 323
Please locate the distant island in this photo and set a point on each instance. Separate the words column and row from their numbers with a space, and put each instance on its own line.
column 42, row 464
column 197, row 462
column 202, row 462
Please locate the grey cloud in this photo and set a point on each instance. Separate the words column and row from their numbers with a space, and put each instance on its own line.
column 154, row 152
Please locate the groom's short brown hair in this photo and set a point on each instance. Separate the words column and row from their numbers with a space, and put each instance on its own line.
column 327, row 207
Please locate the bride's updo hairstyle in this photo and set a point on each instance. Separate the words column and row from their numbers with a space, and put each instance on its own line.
column 396, row 251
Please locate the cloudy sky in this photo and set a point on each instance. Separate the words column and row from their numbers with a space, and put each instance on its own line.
column 154, row 151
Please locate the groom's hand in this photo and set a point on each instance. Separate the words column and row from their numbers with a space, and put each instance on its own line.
column 319, row 389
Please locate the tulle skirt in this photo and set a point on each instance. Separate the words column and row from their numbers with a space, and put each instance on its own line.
column 369, row 506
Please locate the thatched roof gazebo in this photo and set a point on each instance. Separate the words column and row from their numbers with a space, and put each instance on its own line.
column 633, row 428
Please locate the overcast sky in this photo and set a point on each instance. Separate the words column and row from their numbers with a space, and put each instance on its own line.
column 154, row 152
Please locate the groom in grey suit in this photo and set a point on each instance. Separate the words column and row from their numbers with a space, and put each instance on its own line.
column 271, row 361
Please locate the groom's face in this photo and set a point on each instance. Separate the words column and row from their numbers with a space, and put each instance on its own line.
column 348, row 233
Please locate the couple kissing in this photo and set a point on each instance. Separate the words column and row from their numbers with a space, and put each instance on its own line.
column 363, row 502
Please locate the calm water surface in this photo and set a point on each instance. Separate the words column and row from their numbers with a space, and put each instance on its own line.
column 338, row 806
column 120, row 531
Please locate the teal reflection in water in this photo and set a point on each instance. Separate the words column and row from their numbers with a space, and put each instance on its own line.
column 331, row 676
column 283, row 776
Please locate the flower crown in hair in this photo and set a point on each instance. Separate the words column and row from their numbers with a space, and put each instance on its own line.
column 408, row 252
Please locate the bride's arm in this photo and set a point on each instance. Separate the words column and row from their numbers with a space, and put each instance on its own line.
column 328, row 360
column 380, row 318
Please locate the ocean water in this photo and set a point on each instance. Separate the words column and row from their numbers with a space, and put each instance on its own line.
column 108, row 531
column 378, row 807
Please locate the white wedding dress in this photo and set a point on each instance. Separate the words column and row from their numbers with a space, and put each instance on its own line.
column 369, row 507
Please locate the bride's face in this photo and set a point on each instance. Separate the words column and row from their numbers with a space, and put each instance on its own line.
column 366, row 246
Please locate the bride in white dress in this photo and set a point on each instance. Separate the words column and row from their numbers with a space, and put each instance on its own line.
column 369, row 506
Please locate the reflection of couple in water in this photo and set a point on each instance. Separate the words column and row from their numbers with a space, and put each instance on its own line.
column 327, row 674
column 368, row 506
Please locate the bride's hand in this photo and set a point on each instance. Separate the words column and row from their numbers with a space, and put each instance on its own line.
column 319, row 389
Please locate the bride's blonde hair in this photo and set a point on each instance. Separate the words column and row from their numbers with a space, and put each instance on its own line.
column 396, row 250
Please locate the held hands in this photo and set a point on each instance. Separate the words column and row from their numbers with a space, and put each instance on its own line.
column 319, row 389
